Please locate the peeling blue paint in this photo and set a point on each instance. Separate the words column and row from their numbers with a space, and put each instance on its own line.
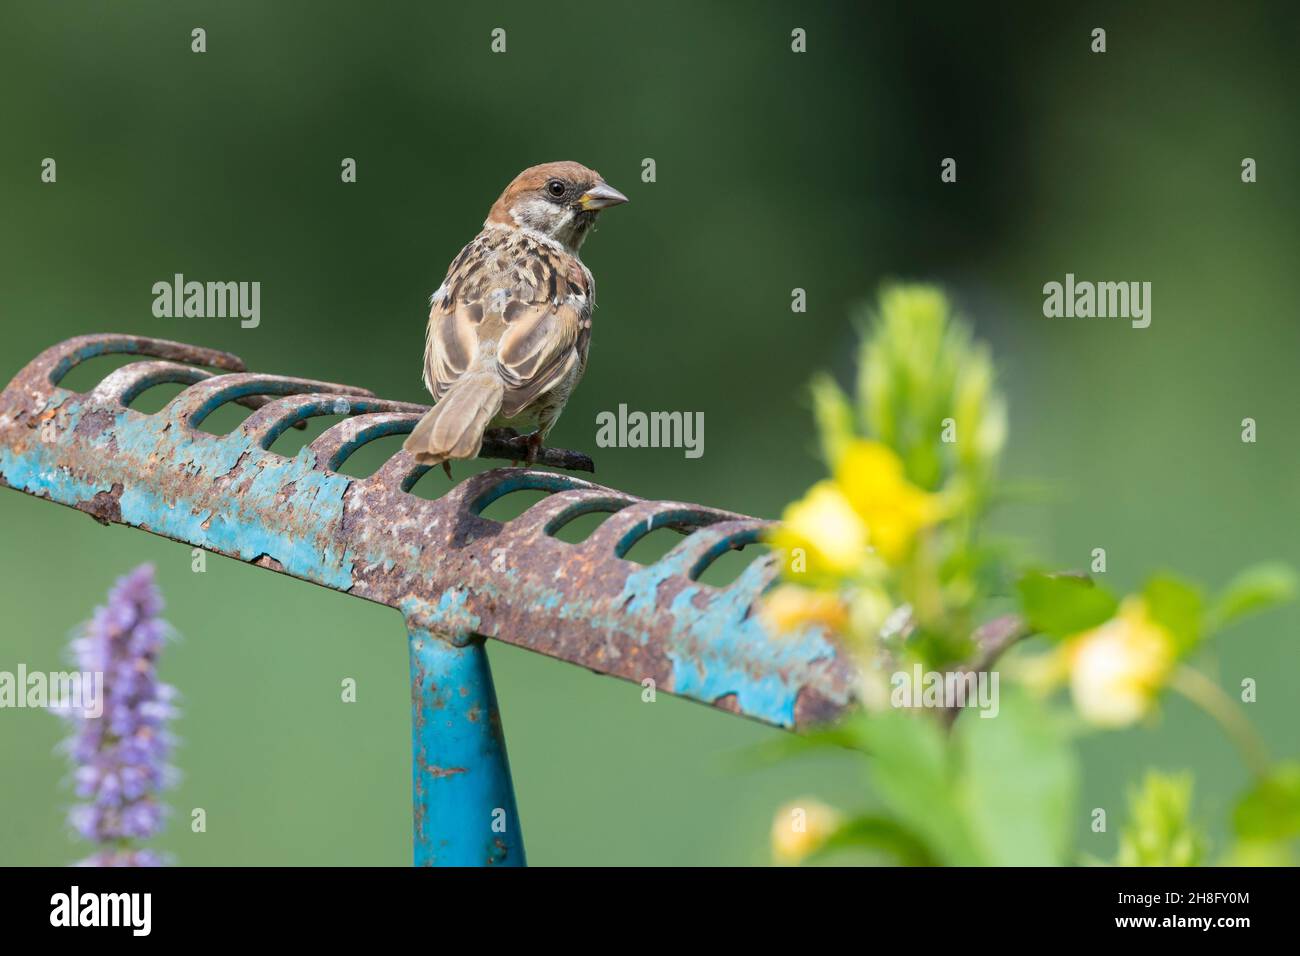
column 722, row 649
column 134, row 438
column 721, row 652
column 448, row 615
column 39, row 476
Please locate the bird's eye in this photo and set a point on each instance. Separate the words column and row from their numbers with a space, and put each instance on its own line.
column 555, row 188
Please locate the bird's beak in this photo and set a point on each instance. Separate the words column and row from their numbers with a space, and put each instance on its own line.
column 600, row 196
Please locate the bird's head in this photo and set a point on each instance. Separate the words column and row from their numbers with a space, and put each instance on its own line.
column 558, row 200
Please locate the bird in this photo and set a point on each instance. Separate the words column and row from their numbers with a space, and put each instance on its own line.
column 510, row 326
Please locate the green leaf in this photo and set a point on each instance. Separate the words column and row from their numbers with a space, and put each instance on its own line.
column 911, row 768
column 918, row 366
column 1061, row 606
column 939, row 648
column 1178, row 607
column 882, row 834
column 833, row 413
column 1255, row 589
column 1271, row 810
column 1160, row 830
column 1019, row 781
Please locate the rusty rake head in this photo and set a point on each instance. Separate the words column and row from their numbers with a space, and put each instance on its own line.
column 448, row 569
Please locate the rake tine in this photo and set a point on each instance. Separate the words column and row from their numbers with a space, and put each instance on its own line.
column 60, row 359
column 557, row 510
column 276, row 415
column 481, row 490
column 126, row 384
column 759, row 575
column 198, row 401
column 336, row 444
column 400, row 471
column 702, row 547
column 622, row 530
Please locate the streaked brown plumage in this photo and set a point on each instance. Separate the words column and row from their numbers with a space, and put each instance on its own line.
column 510, row 325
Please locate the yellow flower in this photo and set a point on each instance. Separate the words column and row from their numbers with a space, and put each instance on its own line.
column 789, row 607
column 821, row 533
column 800, row 828
column 1117, row 669
column 894, row 509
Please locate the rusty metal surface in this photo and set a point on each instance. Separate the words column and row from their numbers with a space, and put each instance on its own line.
column 450, row 571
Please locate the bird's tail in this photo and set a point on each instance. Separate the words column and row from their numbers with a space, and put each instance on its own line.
column 454, row 427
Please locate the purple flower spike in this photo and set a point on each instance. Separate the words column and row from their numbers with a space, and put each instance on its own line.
column 120, row 757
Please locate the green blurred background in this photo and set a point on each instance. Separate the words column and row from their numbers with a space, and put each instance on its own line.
column 775, row 171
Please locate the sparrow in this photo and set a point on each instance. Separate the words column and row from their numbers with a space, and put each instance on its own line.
column 510, row 325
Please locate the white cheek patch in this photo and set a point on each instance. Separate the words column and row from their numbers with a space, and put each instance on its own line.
column 545, row 217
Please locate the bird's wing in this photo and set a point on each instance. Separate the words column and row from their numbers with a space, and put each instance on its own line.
column 450, row 347
column 518, row 304
column 541, row 346
column 451, row 340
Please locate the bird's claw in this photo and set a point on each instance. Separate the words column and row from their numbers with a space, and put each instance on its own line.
column 534, row 446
